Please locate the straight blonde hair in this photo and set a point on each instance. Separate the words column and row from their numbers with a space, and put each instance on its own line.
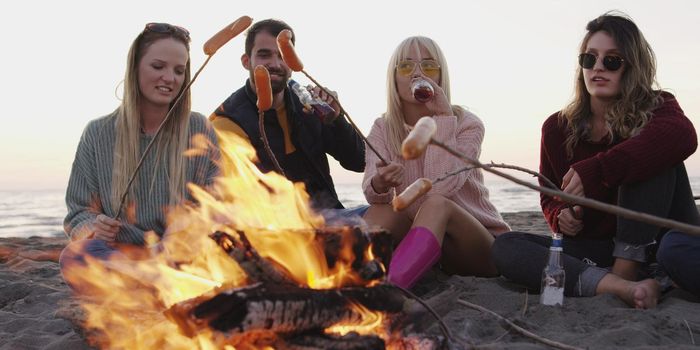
column 172, row 141
column 394, row 117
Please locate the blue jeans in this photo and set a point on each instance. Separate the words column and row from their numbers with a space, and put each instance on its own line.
column 667, row 195
column 520, row 257
column 679, row 256
column 74, row 256
column 346, row 216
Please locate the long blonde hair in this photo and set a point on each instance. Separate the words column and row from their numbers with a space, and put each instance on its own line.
column 626, row 116
column 172, row 140
column 394, row 117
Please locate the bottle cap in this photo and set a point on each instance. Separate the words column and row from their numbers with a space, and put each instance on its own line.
column 556, row 240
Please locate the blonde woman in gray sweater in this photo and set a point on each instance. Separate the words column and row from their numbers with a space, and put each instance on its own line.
column 158, row 68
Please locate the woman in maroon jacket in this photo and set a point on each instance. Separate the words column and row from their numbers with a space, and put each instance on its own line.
column 619, row 141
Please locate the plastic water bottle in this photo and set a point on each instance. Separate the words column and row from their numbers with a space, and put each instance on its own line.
column 552, row 291
column 319, row 107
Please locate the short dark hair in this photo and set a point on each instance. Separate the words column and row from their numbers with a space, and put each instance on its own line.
column 271, row 26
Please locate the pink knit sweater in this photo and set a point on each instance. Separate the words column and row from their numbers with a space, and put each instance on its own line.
column 466, row 188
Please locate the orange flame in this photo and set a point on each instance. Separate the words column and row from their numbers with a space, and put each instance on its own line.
column 127, row 297
column 372, row 323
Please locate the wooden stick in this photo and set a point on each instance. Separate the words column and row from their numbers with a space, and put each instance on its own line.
column 587, row 202
column 347, row 116
column 692, row 339
column 210, row 47
column 155, row 136
column 501, row 165
column 263, row 137
column 443, row 327
column 521, row 330
column 525, row 305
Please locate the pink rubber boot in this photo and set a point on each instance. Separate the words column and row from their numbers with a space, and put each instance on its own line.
column 415, row 255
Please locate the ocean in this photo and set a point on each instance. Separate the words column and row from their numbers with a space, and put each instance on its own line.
column 41, row 213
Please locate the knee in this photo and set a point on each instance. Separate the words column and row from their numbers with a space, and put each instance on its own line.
column 439, row 204
column 669, row 253
column 75, row 252
column 72, row 253
column 503, row 248
column 436, row 200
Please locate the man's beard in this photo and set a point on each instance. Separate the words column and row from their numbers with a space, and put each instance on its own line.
column 278, row 86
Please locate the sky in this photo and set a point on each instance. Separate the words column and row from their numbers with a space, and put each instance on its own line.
column 512, row 63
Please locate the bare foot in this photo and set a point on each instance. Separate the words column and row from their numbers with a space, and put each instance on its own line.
column 643, row 294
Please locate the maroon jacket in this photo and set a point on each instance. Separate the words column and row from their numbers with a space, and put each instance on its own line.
column 667, row 140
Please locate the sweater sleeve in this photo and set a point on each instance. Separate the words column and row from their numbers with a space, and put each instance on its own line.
column 551, row 158
column 465, row 137
column 377, row 137
column 666, row 140
column 82, row 198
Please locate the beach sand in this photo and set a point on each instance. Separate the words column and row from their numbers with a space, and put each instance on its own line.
column 37, row 310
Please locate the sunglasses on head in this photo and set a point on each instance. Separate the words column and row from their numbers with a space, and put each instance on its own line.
column 611, row 63
column 429, row 67
column 166, row 28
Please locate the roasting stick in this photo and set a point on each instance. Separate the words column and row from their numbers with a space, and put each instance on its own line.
column 501, row 165
column 412, row 147
column 415, row 144
column 210, row 47
column 289, row 55
column 420, row 142
column 264, row 91
column 421, row 186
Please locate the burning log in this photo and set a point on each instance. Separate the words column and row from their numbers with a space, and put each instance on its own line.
column 257, row 268
column 265, row 310
column 365, row 252
column 335, row 239
column 277, row 309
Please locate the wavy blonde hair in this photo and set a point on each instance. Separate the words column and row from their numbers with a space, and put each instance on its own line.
column 394, row 117
column 627, row 115
column 172, row 140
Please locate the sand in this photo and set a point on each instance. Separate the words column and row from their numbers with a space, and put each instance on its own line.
column 37, row 310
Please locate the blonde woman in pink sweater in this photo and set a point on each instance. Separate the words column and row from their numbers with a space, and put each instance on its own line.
column 454, row 223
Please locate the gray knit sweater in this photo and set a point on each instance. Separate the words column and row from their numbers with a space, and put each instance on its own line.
column 90, row 183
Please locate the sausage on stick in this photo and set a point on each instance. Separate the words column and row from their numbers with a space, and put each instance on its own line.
column 210, row 47
column 284, row 43
column 263, row 88
column 418, row 139
column 411, row 193
column 223, row 36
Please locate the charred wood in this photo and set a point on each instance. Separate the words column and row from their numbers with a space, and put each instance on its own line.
column 347, row 245
column 257, row 268
column 281, row 309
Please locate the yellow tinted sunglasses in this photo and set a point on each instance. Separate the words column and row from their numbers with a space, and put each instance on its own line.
column 429, row 67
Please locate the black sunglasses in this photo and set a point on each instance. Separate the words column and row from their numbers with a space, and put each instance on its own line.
column 166, row 28
column 611, row 63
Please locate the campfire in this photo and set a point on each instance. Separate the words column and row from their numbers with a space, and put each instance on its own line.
column 250, row 267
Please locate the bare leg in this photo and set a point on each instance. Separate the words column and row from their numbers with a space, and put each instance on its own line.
column 467, row 245
column 383, row 215
column 641, row 295
column 626, row 269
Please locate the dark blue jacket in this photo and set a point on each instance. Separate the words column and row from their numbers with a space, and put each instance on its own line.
column 311, row 138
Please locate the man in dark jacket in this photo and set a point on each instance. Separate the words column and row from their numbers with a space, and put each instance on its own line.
column 299, row 139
